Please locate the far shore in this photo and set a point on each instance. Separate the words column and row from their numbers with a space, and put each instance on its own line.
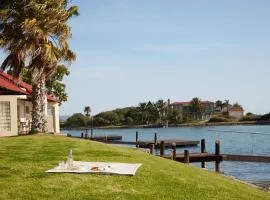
column 196, row 124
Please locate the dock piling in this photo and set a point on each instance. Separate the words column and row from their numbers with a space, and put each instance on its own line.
column 152, row 149
column 91, row 133
column 137, row 137
column 203, row 150
column 174, row 151
column 186, row 156
column 217, row 153
column 155, row 138
column 162, row 148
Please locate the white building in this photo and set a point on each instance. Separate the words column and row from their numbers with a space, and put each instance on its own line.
column 16, row 108
column 236, row 112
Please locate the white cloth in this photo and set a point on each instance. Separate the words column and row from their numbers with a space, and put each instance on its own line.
column 97, row 168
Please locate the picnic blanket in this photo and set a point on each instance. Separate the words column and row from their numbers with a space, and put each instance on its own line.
column 97, row 168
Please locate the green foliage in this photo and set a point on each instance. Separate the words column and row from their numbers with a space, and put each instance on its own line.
column 129, row 121
column 111, row 116
column 145, row 113
column 236, row 105
column 35, row 35
column 250, row 118
column 77, row 120
column 55, row 86
column 87, row 111
column 218, row 119
column 24, row 161
column 100, row 121
column 265, row 117
column 219, row 104
column 197, row 107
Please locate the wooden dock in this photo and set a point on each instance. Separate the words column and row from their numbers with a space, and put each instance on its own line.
column 186, row 157
column 246, row 158
column 208, row 157
column 197, row 157
column 148, row 144
column 100, row 138
column 216, row 157
column 117, row 139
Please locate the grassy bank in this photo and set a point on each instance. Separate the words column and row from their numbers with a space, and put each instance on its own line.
column 24, row 160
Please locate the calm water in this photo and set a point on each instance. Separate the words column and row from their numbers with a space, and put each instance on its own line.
column 238, row 143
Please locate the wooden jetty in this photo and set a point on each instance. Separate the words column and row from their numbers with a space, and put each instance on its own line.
column 216, row 157
column 246, row 158
column 148, row 144
column 100, row 138
column 117, row 139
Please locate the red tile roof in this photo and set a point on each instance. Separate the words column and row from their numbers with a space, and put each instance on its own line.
column 189, row 102
column 12, row 84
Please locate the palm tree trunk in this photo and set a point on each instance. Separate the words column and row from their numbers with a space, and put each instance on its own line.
column 39, row 106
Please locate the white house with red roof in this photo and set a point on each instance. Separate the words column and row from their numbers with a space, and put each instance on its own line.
column 186, row 111
column 236, row 112
column 16, row 107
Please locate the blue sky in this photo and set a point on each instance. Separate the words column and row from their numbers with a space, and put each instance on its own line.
column 129, row 51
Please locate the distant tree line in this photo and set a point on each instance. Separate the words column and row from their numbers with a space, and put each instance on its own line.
column 146, row 113
column 158, row 113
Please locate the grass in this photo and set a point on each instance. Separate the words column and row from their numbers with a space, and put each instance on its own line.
column 24, row 161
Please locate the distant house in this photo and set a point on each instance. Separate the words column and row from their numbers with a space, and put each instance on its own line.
column 236, row 112
column 224, row 109
column 186, row 111
column 16, row 107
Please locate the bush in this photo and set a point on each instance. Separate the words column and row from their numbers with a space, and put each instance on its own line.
column 77, row 120
column 218, row 119
column 265, row 117
column 250, row 118
column 129, row 121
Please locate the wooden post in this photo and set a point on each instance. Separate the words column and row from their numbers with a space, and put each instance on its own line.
column 152, row 149
column 203, row 150
column 137, row 136
column 174, row 151
column 91, row 133
column 155, row 138
column 217, row 152
column 162, row 148
column 186, row 156
column 81, row 135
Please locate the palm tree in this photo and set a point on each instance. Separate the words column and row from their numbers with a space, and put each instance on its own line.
column 162, row 108
column 142, row 110
column 152, row 113
column 87, row 111
column 219, row 104
column 35, row 35
column 196, row 106
column 227, row 104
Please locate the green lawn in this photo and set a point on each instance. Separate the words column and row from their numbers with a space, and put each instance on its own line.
column 24, row 161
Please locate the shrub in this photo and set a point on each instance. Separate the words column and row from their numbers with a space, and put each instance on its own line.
column 218, row 119
column 250, row 118
column 77, row 120
column 265, row 117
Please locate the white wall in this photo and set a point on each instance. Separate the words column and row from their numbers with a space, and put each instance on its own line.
column 53, row 124
column 13, row 115
column 236, row 114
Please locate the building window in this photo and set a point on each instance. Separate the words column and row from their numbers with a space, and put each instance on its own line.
column 27, row 110
column 50, row 110
column 5, row 119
